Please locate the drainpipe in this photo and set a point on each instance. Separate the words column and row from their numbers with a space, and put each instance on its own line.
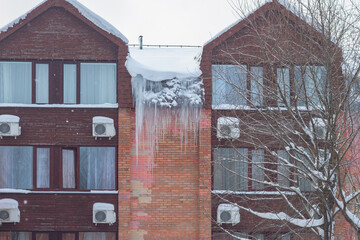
column 141, row 42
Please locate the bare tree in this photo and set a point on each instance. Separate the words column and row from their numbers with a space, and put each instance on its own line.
column 287, row 85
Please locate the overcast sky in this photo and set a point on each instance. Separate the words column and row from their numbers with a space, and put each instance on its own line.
column 190, row 22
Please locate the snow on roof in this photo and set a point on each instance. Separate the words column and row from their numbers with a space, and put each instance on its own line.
column 101, row 119
column 285, row 3
column 12, row 23
column 9, row 118
column 87, row 13
column 103, row 206
column 8, row 203
column 97, row 20
column 158, row 64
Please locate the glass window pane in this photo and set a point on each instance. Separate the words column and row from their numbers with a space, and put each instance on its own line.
column 42, row 236
column 42, row 83
column 42, row 167
column 15, row 82
column 68, row 236
column 283, row 81
column 16, row 167
column 97, row 83
column 257, row 169
column 69, row 83
column 230, row 169
column 256, row 79
column 68, row 166
column 21, row 236
column 301, row 172
column 97, row 168
column 229, row 84
column 97, row 236
column 283, row 171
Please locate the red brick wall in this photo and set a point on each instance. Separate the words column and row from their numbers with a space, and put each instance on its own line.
column 170, row 197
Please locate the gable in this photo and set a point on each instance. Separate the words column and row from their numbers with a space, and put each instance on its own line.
column 57, row 34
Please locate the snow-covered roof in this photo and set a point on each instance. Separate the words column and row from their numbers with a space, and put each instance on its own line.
column 158, row 64
column 87, row 13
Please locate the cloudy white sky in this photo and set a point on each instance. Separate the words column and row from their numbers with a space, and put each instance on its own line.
column 190, row 22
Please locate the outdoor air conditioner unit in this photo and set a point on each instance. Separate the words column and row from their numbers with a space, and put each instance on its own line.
column 319, row 127
column 9, row 211
column 228, row 213
column 103, row 127
column 104, row 213
column 9, row 126
column 228, row 127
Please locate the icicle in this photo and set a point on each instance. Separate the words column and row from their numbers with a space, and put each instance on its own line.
column 160, row 105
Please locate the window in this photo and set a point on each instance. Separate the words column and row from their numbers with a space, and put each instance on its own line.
column 58, row 235
column 257, row 159
column 229, row 84
column 302, row 162
column 309, row 83
column 70, row 83
column 283, row 171
column 283, row 88
column 82, row 168
column 256, row 83
column 16, row 167
column 15, row 236
column 231, row 169
column 97, row 236
column 15, row 82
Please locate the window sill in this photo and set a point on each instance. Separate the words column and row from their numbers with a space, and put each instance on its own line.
column 105, row 105
column 228, row 192
column 246, row 107
column 22, row 191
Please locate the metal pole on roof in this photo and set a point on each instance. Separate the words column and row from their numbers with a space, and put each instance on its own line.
column 140, row 41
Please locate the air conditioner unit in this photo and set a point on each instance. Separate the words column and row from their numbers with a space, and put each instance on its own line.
column 104, row 213
column 228, row 127
column 228, row 213
column 9, row 211
column 103, row 127
column 319, row 127
column 9, row 126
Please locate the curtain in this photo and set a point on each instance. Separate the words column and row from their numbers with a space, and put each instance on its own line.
column 230, row 169
column 97, row 236
column 257, row 169
column 68, row 167
column 256, row 80
column 68, row 236
column 15, row 82
column 283, row 171
column 229, row 84
column 15, row 236
column 97, row 168
column 98, row 83
column 16, row 167
column 42, row 236
column 42, row 83
column 70, row 83
column 283, row 80
column 43, row 167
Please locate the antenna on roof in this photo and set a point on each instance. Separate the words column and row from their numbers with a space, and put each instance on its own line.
column 141, row 42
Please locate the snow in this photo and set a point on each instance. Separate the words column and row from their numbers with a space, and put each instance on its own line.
column 103, row 206
column 8, row 203
column 252, row 192
column 9, row 118
column 17, row 20
column 11, row 190
column 87, row 13
column 167, row 89
column 101, row 119
column 97, row 20
column 158, row 64
column 228, row 121
column 105, row 105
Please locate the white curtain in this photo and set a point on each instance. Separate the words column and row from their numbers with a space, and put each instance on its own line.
column 70, row 83
column 257, row 169
column 229, row 84
column 42, row 83
column 231, row 169
column 97, row 236
column 97, row 83
column 283, row 171
column 68, row 167
column 43, row 167
column 283, row 80
column 97, row 168
column 16, row 167
column 256, row 80
column 15, row 82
